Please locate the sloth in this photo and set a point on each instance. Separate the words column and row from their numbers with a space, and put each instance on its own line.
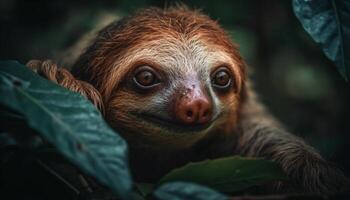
column 174, row 85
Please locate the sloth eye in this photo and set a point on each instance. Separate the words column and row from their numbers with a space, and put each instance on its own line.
column 145, row 77
column 221, row 78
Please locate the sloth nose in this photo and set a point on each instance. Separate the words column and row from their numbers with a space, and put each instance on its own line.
column 194, row 109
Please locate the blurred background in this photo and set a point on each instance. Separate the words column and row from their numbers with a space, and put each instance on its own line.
column 293, row 77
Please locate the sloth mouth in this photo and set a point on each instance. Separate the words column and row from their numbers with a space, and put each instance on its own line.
column 173, row 126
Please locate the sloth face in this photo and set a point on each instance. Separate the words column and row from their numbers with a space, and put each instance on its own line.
column 167, row 77
column 178, row 91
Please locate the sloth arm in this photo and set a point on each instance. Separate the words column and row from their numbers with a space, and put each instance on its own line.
column 261, row 135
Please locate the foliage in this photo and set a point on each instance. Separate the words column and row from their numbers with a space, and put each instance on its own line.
column 229, row 174
column 328, row 23
column 186, row 191
column 69, row 122
column 77, row 130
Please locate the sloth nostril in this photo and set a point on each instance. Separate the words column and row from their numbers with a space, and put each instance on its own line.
column 205, row 113
column 195, row 111
column 189, row 113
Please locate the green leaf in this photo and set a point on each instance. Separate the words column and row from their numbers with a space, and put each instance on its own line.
column 328, row 23
column 144, row 189
column 187, row 191
column 228, row 174
column 68, row 121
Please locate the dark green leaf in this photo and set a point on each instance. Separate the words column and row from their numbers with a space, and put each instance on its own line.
column 228, row 174
column 70, row 122
column 328, row 23
column 186, row 191
column 144, row 189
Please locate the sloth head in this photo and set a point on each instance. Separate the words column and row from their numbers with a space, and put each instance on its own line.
column 167, row 77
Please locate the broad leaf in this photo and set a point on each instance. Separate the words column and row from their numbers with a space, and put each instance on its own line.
column 328, row 23
column 186, row 191
column 228, row 174
column 68, row 121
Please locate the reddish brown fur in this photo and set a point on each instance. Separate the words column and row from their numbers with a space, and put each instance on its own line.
column 149, row 24
column 98, row 64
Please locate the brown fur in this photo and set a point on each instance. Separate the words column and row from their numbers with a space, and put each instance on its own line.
column 244, row 128
column 117, row 39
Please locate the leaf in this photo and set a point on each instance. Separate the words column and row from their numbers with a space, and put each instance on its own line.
column 144, row 189
column 68, row 121
column 186, row 191
column 328, row 23
column 228, row 174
